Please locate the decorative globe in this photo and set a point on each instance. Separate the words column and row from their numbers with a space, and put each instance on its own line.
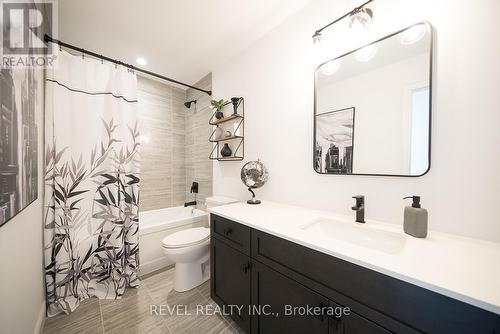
column 254, row 175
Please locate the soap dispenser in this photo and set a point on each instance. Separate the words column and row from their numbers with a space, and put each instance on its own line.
column 415, row 219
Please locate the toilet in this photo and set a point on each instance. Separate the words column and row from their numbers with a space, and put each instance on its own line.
column 190, row 250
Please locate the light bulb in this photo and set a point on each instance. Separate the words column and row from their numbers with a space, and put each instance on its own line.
column 366, row 53
column 141, row 61
column 360, row 19
column 413, row 34
column 317, row 37
column 330, row 67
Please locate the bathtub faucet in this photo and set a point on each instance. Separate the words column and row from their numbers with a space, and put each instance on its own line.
column 192, row 203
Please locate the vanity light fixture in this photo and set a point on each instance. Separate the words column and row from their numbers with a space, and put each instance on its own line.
column 360, row 18
column 366, row 53
column 413, row 34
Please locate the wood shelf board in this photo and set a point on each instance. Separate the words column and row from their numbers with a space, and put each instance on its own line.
column 227, row 158
column 225, row 139
column 226, row 119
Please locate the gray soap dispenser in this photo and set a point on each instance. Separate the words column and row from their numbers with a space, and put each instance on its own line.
column 415, row 219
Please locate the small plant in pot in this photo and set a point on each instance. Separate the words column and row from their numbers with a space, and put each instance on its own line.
column 218, row 105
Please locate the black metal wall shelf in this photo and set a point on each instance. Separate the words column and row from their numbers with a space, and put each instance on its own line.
column 238, row 117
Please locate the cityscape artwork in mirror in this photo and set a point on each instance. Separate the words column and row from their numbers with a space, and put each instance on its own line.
column 334, row 138
column 372, row 110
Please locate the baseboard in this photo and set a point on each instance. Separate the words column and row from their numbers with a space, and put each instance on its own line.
column 40, row 321
column 154, row 265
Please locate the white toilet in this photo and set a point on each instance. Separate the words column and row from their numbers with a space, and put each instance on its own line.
column 190, row 250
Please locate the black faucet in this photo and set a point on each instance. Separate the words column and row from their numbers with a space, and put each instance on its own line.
column 194, row 187
column 359, row 208
column 192, row 203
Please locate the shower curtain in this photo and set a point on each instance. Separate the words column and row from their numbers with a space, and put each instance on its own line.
column 91, row 182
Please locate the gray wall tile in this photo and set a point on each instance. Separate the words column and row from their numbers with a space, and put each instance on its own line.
column 178, row 148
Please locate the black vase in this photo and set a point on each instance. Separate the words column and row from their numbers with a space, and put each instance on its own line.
column 226, row 151
column 236, row 103
column 219, row 114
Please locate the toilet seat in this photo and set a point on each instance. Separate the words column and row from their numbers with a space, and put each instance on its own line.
column 186, row 238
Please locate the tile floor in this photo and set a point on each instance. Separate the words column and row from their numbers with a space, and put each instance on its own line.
column 131, row 314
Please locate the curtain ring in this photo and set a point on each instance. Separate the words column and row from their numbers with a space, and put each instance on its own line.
column 102, row 61
column 60, row 48
column 83, row 54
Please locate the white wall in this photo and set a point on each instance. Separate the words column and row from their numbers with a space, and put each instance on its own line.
column 275, row 76
column 22, row 289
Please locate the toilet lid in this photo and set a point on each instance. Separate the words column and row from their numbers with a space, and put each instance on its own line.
column 188, row 237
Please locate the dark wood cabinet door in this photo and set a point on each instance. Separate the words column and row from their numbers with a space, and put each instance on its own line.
column 272, row 292
column 230, row 282
column 353, row 324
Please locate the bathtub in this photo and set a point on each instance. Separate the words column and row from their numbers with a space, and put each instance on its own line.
column 154, row 225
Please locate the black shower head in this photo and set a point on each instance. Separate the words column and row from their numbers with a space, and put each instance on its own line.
column 188, row 103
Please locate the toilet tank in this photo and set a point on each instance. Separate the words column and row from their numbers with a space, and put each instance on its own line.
column 214, row 201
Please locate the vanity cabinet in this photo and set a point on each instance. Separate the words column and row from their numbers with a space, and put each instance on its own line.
column 267, row 273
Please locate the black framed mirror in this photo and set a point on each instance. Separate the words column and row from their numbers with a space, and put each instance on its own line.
column 372, row 107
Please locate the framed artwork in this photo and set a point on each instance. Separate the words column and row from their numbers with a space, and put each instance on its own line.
column 18, row 141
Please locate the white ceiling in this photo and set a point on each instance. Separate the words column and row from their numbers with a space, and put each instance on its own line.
column 183, row 39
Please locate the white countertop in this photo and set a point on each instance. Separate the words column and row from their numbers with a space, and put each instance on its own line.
column 462, row 268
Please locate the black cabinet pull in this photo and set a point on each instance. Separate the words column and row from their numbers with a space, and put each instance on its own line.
column 247, row 267
column 335, row 322
column 323, row 307
column 228, row 231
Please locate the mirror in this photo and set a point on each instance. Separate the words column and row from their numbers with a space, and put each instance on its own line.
column 372, row 111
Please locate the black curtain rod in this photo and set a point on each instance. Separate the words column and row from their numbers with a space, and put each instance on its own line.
column 48, row 39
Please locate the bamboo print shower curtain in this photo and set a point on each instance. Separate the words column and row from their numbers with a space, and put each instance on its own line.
column 91, row 182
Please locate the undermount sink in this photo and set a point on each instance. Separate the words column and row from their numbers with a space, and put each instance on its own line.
column 358, row 234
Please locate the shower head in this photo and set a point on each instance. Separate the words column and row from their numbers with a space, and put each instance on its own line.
column 188, row 103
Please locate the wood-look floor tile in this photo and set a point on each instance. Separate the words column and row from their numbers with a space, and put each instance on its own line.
column 85, row 320
column 204, row 289
column 234, row 327
column 131, row 314
column 160, row 285
column 191, row 318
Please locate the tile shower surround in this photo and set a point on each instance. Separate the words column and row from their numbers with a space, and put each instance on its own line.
column 175, row 145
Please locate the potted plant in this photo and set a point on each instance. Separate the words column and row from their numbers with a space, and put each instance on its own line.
column 218, row 105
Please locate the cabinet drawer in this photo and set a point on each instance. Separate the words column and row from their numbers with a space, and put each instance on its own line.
column 235, row 234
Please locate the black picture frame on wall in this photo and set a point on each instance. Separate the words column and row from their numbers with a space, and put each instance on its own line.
column 18, row 141
column 337, row 128
column 430, row 110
